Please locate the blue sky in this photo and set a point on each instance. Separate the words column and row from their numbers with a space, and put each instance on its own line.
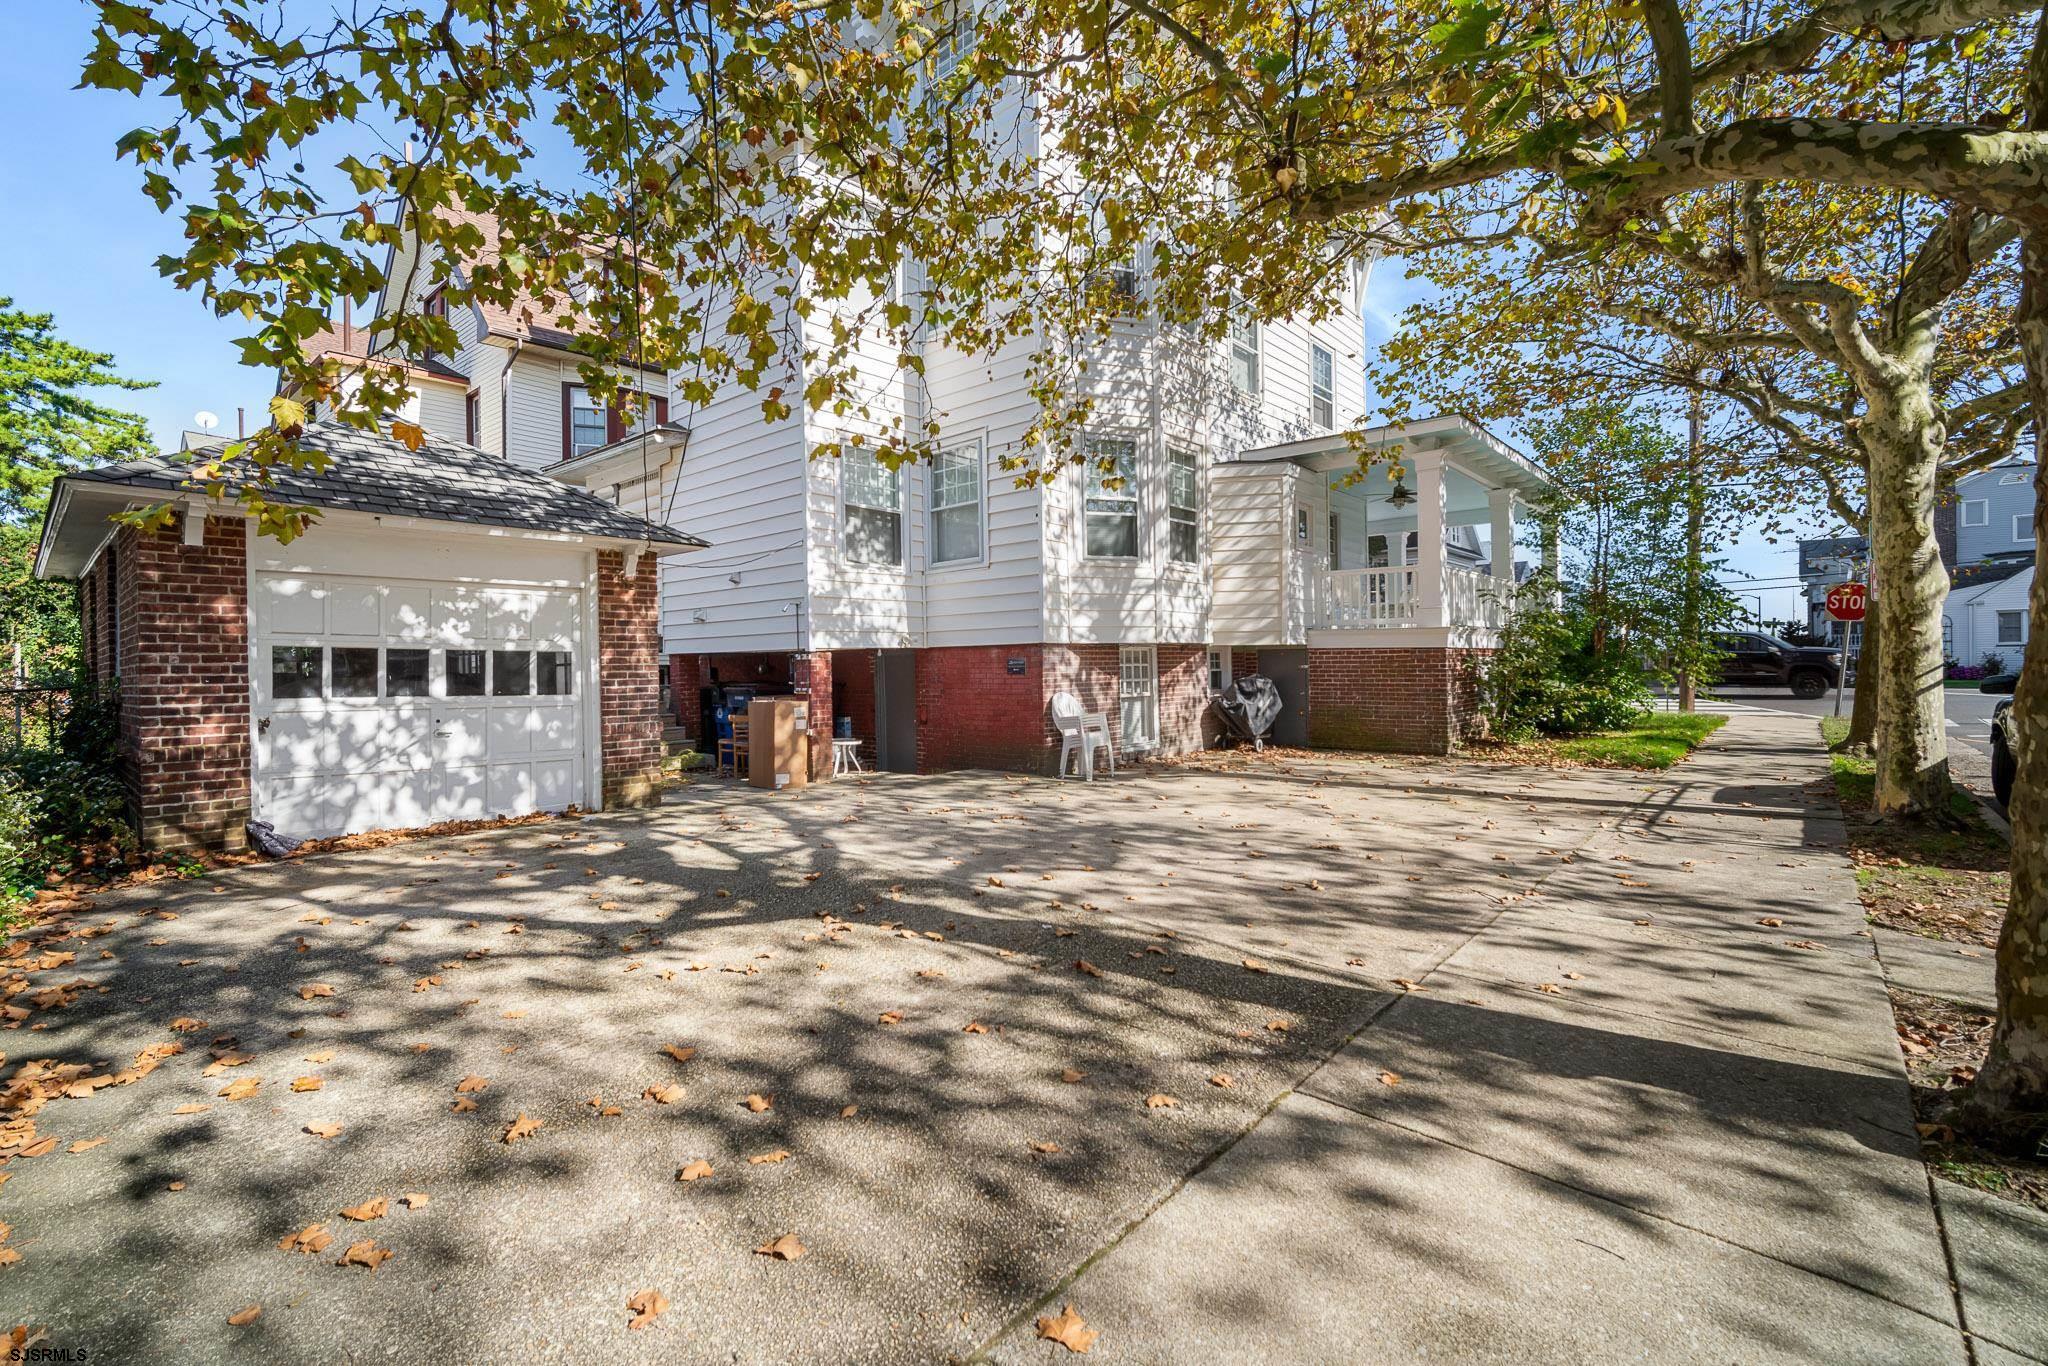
column 82, row 243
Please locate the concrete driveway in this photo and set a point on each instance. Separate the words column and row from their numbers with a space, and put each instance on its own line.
column 1124, row 1044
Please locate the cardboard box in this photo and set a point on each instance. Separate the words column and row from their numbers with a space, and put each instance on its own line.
column 779, row 742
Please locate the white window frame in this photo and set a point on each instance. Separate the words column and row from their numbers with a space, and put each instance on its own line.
column 1184, row 514
column 2023, row 527
column 1219, row 669
column 1093, row 491
column 1246, row 345
column 846, row 503
column 1322, row 388
column 604, row 421
column 2018, row 618
column 972, row 449
column 1976, row 512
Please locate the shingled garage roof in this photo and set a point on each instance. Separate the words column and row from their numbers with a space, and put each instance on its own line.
column 443, row 481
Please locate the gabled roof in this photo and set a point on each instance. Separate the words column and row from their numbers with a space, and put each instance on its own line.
column 347, row 343
column 443, row 481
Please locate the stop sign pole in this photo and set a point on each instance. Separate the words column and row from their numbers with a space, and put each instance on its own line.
column 1847, row 602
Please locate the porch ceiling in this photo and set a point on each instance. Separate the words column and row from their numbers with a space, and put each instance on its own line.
column 1475, row 450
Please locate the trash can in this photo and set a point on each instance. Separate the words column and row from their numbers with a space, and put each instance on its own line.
column 842, row 727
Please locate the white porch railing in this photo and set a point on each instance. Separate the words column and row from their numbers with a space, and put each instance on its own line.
column 1366, row 599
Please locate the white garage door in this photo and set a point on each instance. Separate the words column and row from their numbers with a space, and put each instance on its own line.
column 386, row 704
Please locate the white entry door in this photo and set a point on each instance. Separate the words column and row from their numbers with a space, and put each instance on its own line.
column 1138, row 698
column 389, row 704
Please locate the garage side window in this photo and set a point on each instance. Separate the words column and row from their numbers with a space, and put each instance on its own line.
column 511, row 673
column 405, row 673
column 465, row 673
column 553, row 673
column 294, row 671
column 355, row 671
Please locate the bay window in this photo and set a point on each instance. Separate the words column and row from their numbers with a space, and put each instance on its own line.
column 874, row 509
column 1111, row 475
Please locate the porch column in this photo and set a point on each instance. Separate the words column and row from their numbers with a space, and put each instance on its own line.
column 1429, row 537
column 1501, row 503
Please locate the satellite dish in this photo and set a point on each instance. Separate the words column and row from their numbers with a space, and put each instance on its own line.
column 206, row 421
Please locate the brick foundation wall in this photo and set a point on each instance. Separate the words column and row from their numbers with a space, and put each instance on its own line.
column 685, row 677
column 1183, row 698
column 853, row 696
column 184, row 669
column 972, row 712
column 812, row 675
column 1412, row 701
column 629, row 686
column 1092, row 674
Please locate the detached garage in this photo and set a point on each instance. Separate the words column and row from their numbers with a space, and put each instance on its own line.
column 455, row 638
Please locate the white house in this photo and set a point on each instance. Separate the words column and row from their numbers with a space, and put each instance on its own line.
column 1987, row 618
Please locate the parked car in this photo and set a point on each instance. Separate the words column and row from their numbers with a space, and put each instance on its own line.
column 1751, row 659
column 2004, row 762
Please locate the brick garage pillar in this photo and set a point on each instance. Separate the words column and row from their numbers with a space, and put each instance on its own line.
column 1410, row 701
column 853, row 696
column 1183, row 697
column 811, row 675
column 629, row 686
column 184, row 669
column 685, row 677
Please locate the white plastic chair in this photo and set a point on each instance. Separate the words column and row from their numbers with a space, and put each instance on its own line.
column 1081, row 733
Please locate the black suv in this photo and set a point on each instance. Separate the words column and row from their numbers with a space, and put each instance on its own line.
column 1751, row 659
column 2004, row 763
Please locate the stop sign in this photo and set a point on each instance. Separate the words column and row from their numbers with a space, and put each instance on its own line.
column 1846, row 601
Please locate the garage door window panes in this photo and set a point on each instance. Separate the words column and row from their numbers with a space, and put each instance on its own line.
column 294, row 671
column 552, row 673
column 355, row 671
column 465, row 673
column 405, row 673
column 511, row 673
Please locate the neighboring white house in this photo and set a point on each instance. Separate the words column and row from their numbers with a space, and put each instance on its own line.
column 1986, row 619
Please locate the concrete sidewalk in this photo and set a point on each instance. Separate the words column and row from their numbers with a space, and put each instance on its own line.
column 1624, row 1120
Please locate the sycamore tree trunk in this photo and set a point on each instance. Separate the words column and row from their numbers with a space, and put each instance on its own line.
column 1903, row 436
column 1863, row 707
column 2009, row 1100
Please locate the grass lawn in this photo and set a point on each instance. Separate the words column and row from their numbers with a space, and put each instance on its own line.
column 1948, row 884
column 1657, row 741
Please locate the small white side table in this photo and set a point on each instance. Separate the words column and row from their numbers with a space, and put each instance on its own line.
column 846, row 757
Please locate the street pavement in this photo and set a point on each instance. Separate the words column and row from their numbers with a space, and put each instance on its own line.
column 1316, row 1058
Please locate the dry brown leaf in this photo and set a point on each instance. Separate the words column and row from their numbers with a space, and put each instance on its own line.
column 1082, row 965
column 1043, row 1146
column 191, row 1107
column 243, row 1317
column 848, row 1111
column 663, row 1095
column 243, row 1089
column 892, row 1017
column 783, row 1249
column 1390, row 1078
column 645, row 1306
column 521, row 1127
column 1159, row 1100
column 365, row 1253
column 1254, row 965
column 324, row 1055
column 307, row 1083
column 1279, row 1026
column 175, row 1186
column 760, row 1159
column 1770, row 922
column 470, row 1084
column 324, row 1129
column 376, row 1207
column 1068, row 1329
column 694, row 1170
column 315, row 990
column 1550, row 988
column 185, row 1024
column 974, row 1027
column 1072, row 1075
column 759, row 1103
column 462, row 1105
column 311, row 1238
column 679, row 1052
column 85, row 1145
column 1224, row 1080
column 415, row 1199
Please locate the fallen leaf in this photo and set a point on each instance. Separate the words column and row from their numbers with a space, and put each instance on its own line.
column 85, row 1145
column 1044, row 1147
column 1082, row 965
column 694, row 1170
column 760, row 1159
column 645, row 1306
column 1224, row 1080
column 376, row 1207
column 241, row 1090
column 1279, row 1026
column 191, row 1107
column 185, row 1024
column 311, row 1238
column 1068, row 1329
column 175, row 1186
column 307, row 1083
column 242, row 1317
column 324, row 1129
column 1159, row 1100
column 314, row 991
column 892, row 1017
column 783, row 1249
column 974, row 1027
column 521, row 1127
column 366, row 1253
column 462, row 1105
column 1770, row 922
column 1390, row 1078
column 758, row 1103
column 848, row 1111
column 1550, row 988
column 679, row 1052
column 1254, row 965
column 471, row 1083
column 663, row 1095
column 1072, row 1075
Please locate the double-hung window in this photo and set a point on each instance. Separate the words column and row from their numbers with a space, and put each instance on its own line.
column 1322, row 387
column 874, row 509
column 1183, row 506
column 956, row 504
column 1244, row 355
column 1111, row 476
column 587, row 424
column 1976, row 512
column 2023, row 527
column 2012, row 628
